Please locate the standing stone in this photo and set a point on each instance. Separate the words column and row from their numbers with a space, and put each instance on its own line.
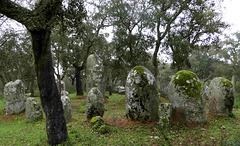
column 67, row 108
column 94, row 103
column 15, row 97
column 63, row 92
column 142, row 101
column 164, row 85
column 221, row 97
column 33, row 109
column 185, row 95
column 205, row 92
column 165, row 114
column 95, row 74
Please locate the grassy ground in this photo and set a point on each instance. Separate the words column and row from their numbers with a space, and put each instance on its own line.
column 14, row 130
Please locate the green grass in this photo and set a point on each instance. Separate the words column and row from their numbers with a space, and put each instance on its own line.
column 237, row 101
column 14, row 130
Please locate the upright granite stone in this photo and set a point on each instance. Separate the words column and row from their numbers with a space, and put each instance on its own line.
column 142, row 101
column 15, row 97
column 63, row 92
column 94, row 103
column 67, row 108
column 95, row 74
column 185, row 95
column 33, row 109
column 221, row 97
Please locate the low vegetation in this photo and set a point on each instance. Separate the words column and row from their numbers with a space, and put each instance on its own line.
column 216, row 131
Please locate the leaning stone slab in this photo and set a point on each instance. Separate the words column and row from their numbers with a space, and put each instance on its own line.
column 221, row 97
column 95, row 74
column 94, row 103
column 185, row 95
column 67, row 108
column 15, row 97
column 33, row 110
column 142, row 101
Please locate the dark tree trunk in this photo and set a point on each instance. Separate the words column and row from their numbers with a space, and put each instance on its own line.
column 51, row 102
column 73, row 80
column 78, row 79
column 110, row 90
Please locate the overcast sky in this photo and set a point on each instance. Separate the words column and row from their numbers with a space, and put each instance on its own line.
column 231, row 14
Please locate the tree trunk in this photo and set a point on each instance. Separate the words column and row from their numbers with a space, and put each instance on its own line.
column 55, row 122
column 73, row 80
column 234, row 84
column 78, row 80
column 110, row 90
column 154, row 60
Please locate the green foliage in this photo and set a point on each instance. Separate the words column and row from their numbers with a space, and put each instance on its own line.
column 187, row 82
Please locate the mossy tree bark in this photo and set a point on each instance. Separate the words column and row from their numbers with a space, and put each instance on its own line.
column 39, row 22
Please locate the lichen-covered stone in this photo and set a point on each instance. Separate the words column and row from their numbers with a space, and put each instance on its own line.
column 221, row 97
column 94, row 103
column 95, row 74
column 165, row 114
column 142, row 101
column 67, row 108
column 33, row 109
column 206, row 92
column 120, row 89
column 15, row 97
column 185, row 95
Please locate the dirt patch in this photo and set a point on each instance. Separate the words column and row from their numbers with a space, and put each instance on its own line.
column 164, row 100
column 121, row 102
column 11, row 117
column 82, row 97
column 76, row 104
column 210, row 116
column 117, row 103
column 123, row 122
column 73, row 120
column 79, row 97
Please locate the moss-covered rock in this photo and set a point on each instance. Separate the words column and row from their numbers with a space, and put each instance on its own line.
column 98, row 125
column 185, row 95
column 94, row 103
column 187, row 83
column 221, row 97
column 142, row 102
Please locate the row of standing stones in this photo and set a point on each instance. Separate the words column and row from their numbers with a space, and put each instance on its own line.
column 187, row 104
column 17, row 101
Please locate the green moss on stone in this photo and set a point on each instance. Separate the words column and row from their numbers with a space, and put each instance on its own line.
column 104, row 129
column 187, row 83
column 139, row 70
column 94, row 119
column 226, row 82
